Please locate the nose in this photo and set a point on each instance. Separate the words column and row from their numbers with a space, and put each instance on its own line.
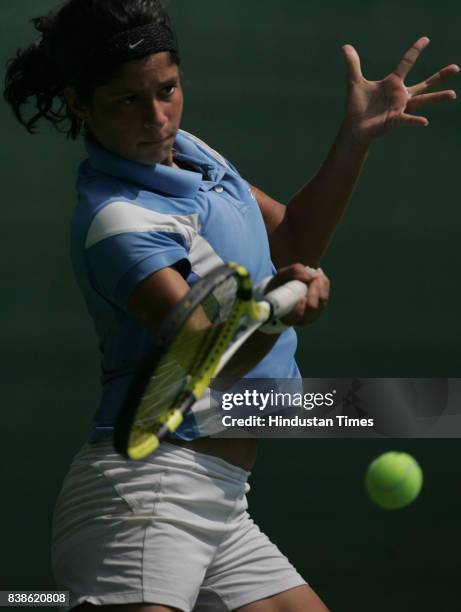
column 155, row 115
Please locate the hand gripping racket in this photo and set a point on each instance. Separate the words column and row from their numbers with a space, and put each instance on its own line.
column 193, row 344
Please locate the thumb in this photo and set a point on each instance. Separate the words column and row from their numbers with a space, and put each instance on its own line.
column 352, row 59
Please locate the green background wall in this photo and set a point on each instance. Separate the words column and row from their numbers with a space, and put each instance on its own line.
column 265, row 85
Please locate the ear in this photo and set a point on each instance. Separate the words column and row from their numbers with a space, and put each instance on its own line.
column 73, row 102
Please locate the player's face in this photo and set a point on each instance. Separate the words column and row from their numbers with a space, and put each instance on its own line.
column 137, row 114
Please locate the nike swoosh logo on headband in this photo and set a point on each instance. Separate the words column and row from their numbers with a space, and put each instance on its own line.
column 132, row 46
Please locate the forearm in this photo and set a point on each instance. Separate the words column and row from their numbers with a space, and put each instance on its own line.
column 313, row 213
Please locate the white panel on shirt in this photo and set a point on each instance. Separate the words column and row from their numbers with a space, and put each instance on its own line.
column 203, row 257
column 124, row 217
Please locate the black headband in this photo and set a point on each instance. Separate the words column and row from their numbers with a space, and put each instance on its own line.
column 122, row 47
column 134, row 44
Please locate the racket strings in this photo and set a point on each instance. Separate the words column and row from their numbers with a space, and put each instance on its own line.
column 185, row 356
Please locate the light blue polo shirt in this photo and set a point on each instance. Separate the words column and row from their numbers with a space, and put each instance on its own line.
column 133, row 220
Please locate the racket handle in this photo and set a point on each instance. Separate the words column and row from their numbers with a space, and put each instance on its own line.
column 284, row 298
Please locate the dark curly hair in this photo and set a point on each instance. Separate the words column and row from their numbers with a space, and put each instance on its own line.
column 51, row 62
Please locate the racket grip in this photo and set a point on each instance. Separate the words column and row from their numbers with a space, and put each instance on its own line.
column 284, row 298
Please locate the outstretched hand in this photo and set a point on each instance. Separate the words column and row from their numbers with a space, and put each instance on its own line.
column 376, row 107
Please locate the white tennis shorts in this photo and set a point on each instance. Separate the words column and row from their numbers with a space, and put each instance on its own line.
column 170, row 529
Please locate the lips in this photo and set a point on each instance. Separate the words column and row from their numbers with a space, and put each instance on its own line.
column 156, row 142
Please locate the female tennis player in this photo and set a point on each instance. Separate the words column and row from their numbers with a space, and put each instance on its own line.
column 157, row 210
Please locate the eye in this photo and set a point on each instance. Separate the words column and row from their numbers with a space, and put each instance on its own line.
column 169, row 90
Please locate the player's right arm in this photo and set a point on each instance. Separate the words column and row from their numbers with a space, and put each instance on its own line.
column 153, row 298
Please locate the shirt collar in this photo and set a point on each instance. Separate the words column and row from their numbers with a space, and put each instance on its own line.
column 157, row 177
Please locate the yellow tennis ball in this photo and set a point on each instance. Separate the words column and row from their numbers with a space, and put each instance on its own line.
column 393, row 480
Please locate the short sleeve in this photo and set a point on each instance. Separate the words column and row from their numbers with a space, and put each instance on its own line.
column 127, row 243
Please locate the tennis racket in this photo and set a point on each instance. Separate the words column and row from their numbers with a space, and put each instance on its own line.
column 193, row 344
